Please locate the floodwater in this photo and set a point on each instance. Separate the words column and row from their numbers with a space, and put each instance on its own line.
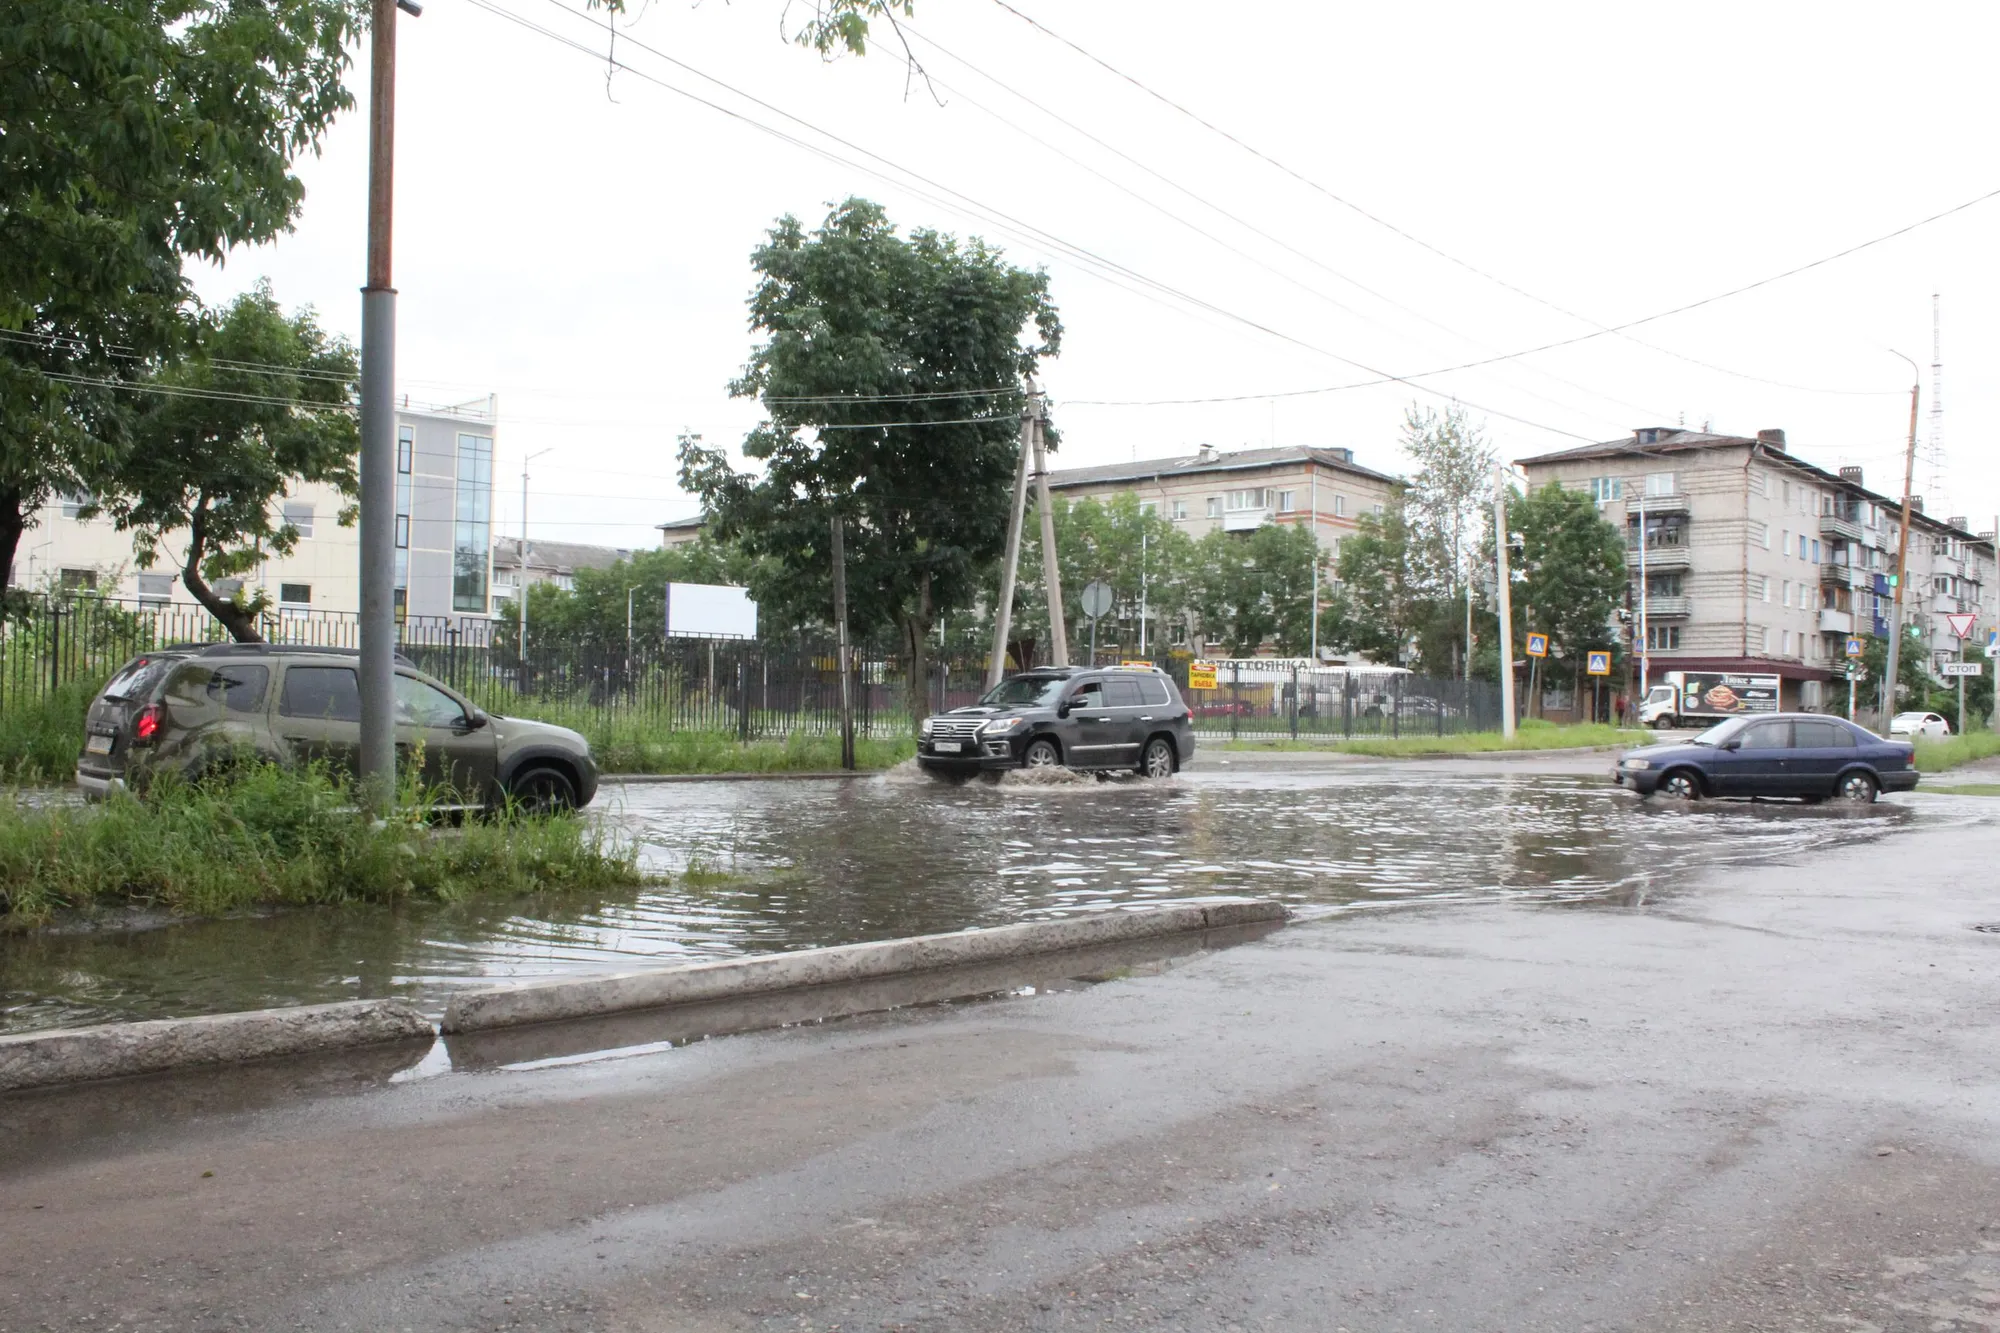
column 758, row 866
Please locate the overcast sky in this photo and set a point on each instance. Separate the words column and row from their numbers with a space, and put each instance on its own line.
column 581, row 248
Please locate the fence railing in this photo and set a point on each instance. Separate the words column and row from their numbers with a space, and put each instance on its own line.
column 749, row 688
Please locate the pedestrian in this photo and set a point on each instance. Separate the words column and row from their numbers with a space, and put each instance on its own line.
column 1619, row 705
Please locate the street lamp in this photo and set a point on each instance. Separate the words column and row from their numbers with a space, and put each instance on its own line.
column 521, row 559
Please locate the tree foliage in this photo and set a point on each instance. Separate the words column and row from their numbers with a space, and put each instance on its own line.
column 216, row 447
column 1116, row 542
column 589, row 617
column 133, row 134
column 1256, row 587
column 1380, row 603
column 889, row 374
column 1571, row 572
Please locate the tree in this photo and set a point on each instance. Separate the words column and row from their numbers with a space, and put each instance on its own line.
column 215, row 447
column 889, row 377
column 136, row 133
column 1380, row 603
column 1249, row 589
column 590, row 615
column 1443, row 504
column 1116, row 542
column 1572, row 569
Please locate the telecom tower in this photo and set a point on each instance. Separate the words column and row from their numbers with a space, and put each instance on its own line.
column 1934, row 448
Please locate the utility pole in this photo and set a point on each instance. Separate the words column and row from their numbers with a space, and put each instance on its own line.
column 378, row 421
column 1645, row 627
column 1902, row 550
column 1142, row 584
column 1051, row 566
column 521, row 558
column 1505, row 589
column 1003, row 616
column 1312, row 475
column 840, row 646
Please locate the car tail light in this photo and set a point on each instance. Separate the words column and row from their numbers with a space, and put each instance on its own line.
column 148, row 724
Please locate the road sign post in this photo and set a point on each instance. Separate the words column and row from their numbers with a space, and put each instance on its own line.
column 1096, row 599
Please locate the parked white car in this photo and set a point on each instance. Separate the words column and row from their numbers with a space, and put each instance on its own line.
column 1927, row 726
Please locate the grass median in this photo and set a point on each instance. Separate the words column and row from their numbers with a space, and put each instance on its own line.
column 1938, row 756
column 277, row 837
column 1530, row 735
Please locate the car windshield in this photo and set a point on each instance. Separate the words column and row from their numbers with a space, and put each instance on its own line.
column 1720, row 732
column 1913, row 717
column 1025, row 692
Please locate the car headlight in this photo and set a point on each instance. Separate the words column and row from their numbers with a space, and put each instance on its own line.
column 1000, row 727
column 924, row 727
column 1635, row 763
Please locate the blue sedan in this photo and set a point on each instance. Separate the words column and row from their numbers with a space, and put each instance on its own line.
column 1807, row 755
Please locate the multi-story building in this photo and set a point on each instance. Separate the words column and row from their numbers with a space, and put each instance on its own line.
column 1242, row 490
column 1755, row 560
column 444, row 507
column 547, row 562
column 682, row 531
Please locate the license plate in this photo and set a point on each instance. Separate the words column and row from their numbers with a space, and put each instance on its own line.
column 946, row 747
column 98, row 745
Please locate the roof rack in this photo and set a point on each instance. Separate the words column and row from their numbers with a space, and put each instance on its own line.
column 261, row 649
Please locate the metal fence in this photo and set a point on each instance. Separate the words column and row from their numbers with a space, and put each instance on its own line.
column 749, row 688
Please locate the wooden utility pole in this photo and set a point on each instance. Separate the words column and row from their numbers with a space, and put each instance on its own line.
column 843, row 657
column 1505, row 592
column 1010, row 567
column 1902, row 552
column 1051, row 566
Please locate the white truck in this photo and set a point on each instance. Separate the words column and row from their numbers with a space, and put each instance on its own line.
column 1703, row 698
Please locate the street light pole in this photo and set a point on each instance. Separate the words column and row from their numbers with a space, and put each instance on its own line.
column 521, row 574
column 1902, row 550
column 378, row 422
column 1505, row 592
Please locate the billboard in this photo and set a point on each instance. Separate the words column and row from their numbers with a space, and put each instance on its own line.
column 710, row 611
column 1726, row 693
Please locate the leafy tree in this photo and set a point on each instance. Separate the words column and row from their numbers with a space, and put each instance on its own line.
column 216, row 447
column 133, row 134
column 590, row 616
column 1572, row 572
column 1115, row 542
column 886, row 376
column 834, row 25
column 1442, row 507
column 1380, row 604
column 1249, row 589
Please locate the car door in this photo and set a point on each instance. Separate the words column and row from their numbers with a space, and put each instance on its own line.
column 319, row 715
column 1820, row 750
column 1126, row 706
column 457, row 756
column 1094, row 740
column 1763, row 759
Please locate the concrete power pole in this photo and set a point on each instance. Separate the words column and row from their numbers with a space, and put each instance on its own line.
column 1505, row 589
column 1003, row 615
column 1051, row 567
column 1902, row 551
column 378, row 422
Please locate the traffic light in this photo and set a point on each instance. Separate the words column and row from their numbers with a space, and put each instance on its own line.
column 1916, row 631
column 1894, row 579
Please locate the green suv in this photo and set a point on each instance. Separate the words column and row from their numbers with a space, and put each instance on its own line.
column 193, row 709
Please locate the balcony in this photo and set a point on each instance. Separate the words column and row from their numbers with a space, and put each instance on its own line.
column 1667, row 608
column 1836, row 622
column 1659, row 555
column 1844, row 576
column 1244, row 520
column 1838, row 528
column 1676, row 503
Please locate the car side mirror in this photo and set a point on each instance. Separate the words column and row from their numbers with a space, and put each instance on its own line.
column 476, row 719
column 1063, row 708
column 1733, row 743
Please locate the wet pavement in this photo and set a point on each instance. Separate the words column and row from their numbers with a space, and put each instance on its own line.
column 1762, row 1095
column 760, row 866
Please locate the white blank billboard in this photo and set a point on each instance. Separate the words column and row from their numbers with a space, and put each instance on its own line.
column 710, row 611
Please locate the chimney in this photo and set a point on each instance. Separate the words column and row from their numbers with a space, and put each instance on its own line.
column 1652, row 434
column 1205, row 454
column 1852, row 474
column 1917, row 504
column 1956, row 521
column 1774, row 438
column 1344, row 455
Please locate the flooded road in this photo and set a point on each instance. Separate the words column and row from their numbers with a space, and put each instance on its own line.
column 758, row 866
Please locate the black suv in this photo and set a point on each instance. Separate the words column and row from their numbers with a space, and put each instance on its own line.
column 1080, row 717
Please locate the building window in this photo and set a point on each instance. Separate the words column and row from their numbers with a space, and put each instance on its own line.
column 471, row 539
column 1802, row 546
column 1785, row 541
column 1149, row 507
column 74, row 505
column 1766, row 639
column 1815, row 553
column 1285, row 501
column 406, row 448
column 295, row 594
column 1378, row 510
column 1785, row 643
column 1607, row 488
column 1340, row 511
column 1663, row 636
column 1665, row 584
column 299, row 514
column 402, row 532
column 155, row 590
column 1660, row 483
column 1215, row 506
column 1786, row 597
column 1180, row 509
column 1258, row 498
column 77, row 580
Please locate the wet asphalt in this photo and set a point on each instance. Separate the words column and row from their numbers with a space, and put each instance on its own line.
column 1760, row 1095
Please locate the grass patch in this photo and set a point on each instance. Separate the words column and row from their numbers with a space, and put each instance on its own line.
column 1531, row 735
column 277, row 837
column 1937, row 756
column 630, row 744
column 40, row 736
column 1964, row 789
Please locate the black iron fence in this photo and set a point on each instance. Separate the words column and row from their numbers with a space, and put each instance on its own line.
column 749, row 688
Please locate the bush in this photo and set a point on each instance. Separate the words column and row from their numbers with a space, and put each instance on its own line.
column 41, row 735
column 271, row 836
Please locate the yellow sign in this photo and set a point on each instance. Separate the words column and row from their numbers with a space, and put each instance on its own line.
column 1201, row 675
column 1598, row 664
column 1538, row 645
column 1147, row 665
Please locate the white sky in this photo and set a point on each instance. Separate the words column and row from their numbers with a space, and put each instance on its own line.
column 587, row 259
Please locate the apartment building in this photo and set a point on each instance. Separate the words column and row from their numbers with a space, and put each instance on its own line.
column 1244, row 489
column 1755, row 560
column 444, row 508
column 546, row 562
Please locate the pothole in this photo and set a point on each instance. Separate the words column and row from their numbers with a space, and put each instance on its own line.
column 1988, row 927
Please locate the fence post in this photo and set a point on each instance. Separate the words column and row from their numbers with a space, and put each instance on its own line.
column 1396, row 707
column 742, row 702
column 1346, row 706
column 1295, row 703
column 1235, row 698
column 1440, row 704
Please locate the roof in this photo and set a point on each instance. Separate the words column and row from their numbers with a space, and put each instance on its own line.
column 557, row 557
column 693, row 521
column 1672, row 442
column 1196, row 465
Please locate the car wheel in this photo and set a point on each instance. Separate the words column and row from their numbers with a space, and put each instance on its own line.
column 1158, row 760
column 1858, row 789
column 543, row 791
column 1042, row 753
column 1681, row 785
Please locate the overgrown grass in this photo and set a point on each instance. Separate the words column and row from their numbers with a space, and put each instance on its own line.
column 1937, row 756
column 41, row 735
column 627, row 743
column 1962, row 789
column 1532, row 734
column 271, row 836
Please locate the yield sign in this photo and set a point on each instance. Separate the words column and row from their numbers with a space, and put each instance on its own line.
column 1961, row 623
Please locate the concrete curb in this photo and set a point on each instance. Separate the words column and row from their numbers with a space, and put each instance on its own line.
column 73, row 1055
column 586, row 997
column 1570, row 751
column 641, row 779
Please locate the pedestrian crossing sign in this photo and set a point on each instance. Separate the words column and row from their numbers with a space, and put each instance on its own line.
column 1598, row 664
column 1853, row 647
column 1538, row 645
